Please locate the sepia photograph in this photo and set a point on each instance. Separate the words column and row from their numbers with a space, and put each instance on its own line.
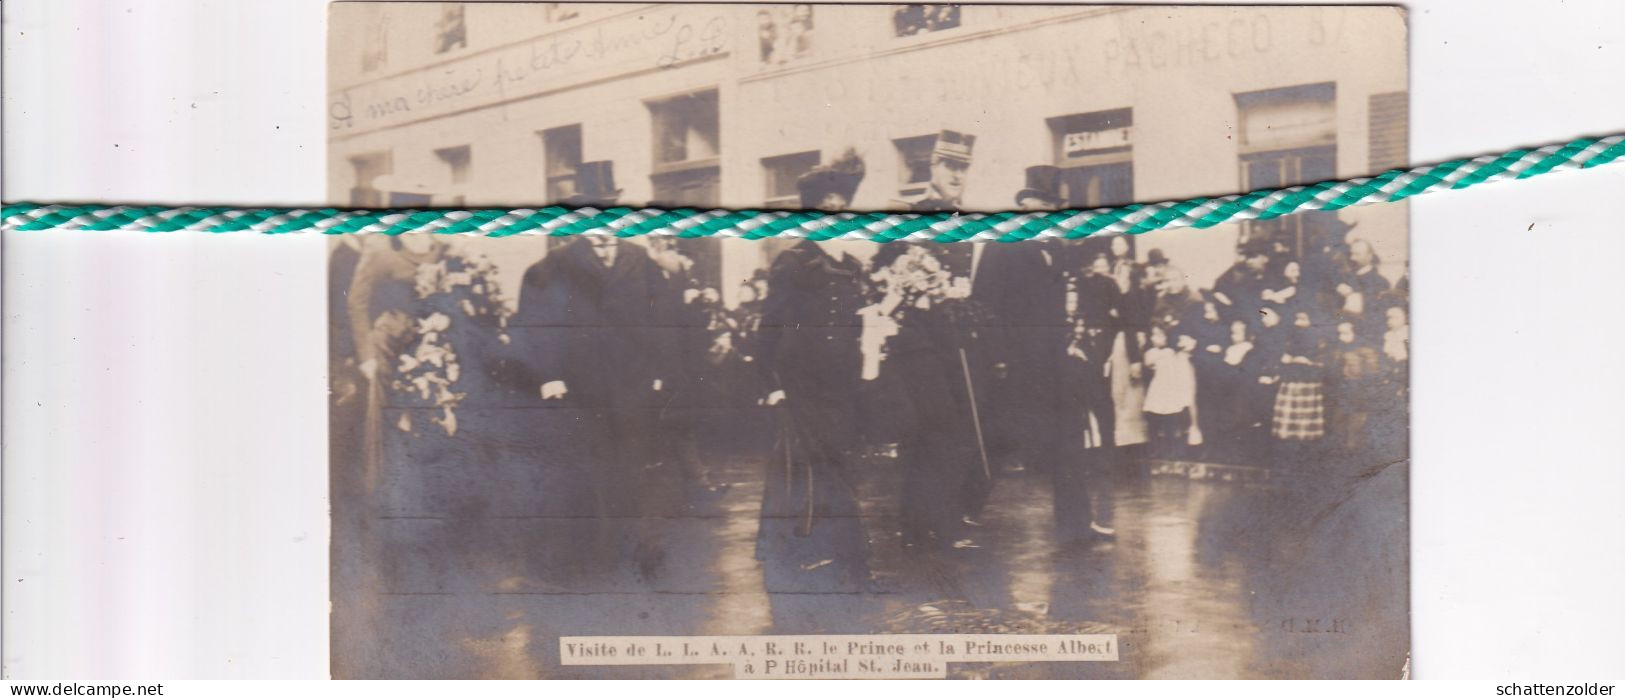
column 1183, row 454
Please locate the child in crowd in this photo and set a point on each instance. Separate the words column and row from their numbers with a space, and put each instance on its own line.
column 1171, row 396
column 1300, row 402
column 1396, row 342
column 1245, row 405
column 1352, row 391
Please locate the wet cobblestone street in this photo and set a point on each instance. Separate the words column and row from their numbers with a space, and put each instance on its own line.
column 1206, row 579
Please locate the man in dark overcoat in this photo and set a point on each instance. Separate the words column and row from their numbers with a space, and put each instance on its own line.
column 1023, row 337
column 582, row 343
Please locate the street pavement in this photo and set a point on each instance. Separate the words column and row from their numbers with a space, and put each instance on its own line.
column 1297, row 576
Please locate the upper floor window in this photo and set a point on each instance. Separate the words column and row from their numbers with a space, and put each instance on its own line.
column 687, row 146
column 1288, row 136
column 451, row 30
column 914, row 163
column 781, row 173
column 783, row 33
column 686, row 128
column 561, row 159
column 375, row 45
column 459, row 161
column 368, row 168
column 908, row 20
column 560, row 11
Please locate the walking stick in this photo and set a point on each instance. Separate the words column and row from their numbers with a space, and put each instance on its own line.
column 975, row 415
column 805, row 526
column 787, row 432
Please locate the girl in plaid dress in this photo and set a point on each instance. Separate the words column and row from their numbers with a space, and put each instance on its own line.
column 1300, row 401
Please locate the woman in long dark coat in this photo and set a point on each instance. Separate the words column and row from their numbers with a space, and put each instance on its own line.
column 811, row 540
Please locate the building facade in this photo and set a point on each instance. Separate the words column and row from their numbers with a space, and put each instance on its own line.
column 726, row 105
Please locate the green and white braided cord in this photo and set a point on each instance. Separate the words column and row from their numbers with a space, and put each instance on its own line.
column 1391, row 186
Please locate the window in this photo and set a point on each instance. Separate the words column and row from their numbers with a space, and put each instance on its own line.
column 375, row 46
column 410, row 199
column 1288, row 136
column 780, row 175
column 1284, row 168
column 368, row 168
column 451, row 31
column 687, row 143
column 458, row 160
column 686, row 129
column 783, row 33
column 908, row 20
column 914, row 164
column 1390, row 131
column 691, row 188
column 560, row 12
column 561, row 157
column 1095, row 153
column 687, row 170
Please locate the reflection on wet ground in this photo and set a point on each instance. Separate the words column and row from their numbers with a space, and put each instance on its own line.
column 1206, row 579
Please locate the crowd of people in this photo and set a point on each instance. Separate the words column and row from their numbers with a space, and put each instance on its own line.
column 963, row 364
column 1072, row 360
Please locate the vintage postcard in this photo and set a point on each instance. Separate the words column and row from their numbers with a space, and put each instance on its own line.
column 1182, row 454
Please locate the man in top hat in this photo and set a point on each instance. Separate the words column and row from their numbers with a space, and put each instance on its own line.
column 1022, row 288
column 950, row 162
column 594, row 185
column 1239, row 290
column 583, row 339
column 1043, row 190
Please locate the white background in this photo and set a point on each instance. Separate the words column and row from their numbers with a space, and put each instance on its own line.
column 164, row 408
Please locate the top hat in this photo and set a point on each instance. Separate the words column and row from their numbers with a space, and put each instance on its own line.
column 953, row 145
column 1338, row 227
column 595, row 184
column 839, row 177
column 1043, row 182
column 1255, row 247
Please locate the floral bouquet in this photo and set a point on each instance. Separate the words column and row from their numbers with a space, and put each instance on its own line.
column 468, row 283
column 916, row 284
column 917, row 280
column 449, row 291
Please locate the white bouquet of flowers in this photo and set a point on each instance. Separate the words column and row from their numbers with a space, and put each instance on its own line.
column 914, row 282
column 917, row 279
column 450, row 290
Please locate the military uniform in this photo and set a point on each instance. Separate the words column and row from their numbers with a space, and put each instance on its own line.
column 928, row 201
column 936, row 360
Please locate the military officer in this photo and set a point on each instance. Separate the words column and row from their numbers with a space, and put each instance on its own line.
column 950, row 162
